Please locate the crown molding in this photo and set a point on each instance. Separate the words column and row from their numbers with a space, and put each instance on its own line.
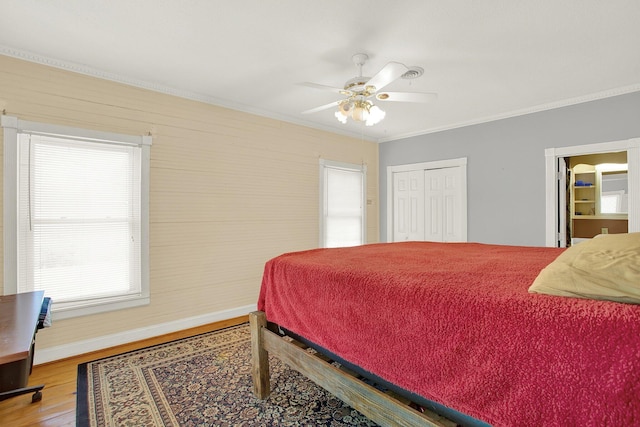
column 93, row 72
column 535, row 109
column 167, row 90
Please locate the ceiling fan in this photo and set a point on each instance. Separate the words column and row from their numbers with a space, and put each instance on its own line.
column 359, row 91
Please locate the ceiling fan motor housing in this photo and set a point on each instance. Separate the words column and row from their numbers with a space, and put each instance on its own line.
column 357, row 84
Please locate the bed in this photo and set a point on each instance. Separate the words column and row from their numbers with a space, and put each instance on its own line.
column 455, row 329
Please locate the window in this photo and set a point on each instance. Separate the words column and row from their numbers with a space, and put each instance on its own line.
column 80, row 216
column 342, row 204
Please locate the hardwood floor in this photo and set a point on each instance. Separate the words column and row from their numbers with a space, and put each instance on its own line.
column 58, row 405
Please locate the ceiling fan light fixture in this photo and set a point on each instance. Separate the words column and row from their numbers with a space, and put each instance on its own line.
column 345, row 108
column 341, row 117
column 360, row 111
column 376, row 114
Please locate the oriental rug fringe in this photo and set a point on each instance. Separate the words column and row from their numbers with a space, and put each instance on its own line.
column 201, row 381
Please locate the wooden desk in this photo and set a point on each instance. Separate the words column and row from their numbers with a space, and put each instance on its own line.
column 18, row 325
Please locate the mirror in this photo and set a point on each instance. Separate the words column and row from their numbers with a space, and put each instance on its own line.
column 614, row 188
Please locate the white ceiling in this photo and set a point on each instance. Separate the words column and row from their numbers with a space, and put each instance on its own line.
column 486, row 59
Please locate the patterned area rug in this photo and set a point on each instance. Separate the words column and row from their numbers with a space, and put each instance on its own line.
column 201, row 381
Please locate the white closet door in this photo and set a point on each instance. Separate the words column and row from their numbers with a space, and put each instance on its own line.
column 443, row 205
column 408, row 205
column 427, row 201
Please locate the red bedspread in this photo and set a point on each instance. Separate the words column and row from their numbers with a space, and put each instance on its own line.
column 454, row 323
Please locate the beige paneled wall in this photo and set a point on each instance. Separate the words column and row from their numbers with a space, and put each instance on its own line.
column 229, row 190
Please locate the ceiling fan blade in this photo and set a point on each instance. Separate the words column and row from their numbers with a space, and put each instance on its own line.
column 322, row 107
column 390, row 72
column 406, row 96
column 328, row 88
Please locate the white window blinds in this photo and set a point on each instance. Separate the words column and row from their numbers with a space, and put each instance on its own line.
column 343, row 221
column 79, row 218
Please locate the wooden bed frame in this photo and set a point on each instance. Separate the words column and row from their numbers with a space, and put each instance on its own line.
column 386, row 409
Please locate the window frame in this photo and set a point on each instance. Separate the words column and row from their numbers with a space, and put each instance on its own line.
column 351, row 167
column 12, row 126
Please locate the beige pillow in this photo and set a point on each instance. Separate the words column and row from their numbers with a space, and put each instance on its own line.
column 606, row 268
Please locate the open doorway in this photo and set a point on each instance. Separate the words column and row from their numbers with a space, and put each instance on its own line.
column 597, row 196
column 557, row 218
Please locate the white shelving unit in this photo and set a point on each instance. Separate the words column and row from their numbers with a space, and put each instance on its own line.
column 584, row 192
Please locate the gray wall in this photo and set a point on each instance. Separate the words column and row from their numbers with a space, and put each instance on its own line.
column 506, row 163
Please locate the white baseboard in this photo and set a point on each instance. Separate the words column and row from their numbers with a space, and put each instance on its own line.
column 80, row 347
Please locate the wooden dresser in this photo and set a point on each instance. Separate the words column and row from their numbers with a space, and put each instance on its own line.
column 19, row 315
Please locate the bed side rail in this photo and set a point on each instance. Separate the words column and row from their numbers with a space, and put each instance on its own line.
column 371, row 402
